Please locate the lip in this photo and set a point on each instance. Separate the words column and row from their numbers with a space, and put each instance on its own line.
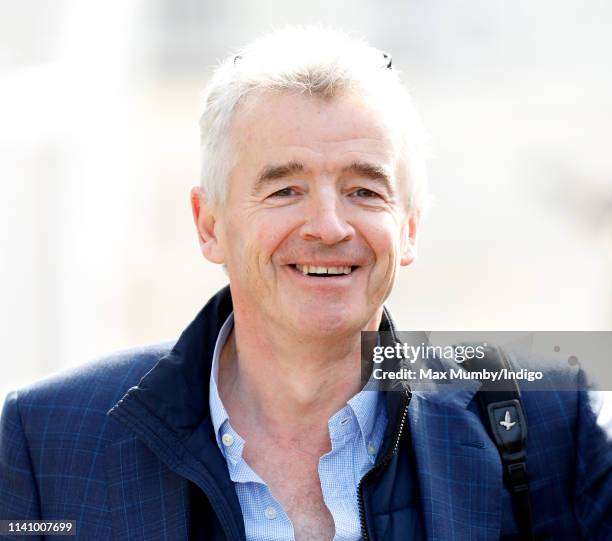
column 333, row 263
column 324, row 282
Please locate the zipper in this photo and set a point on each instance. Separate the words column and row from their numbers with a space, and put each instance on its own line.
column 382, row 464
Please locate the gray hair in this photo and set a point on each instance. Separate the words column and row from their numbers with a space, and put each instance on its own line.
column 314, row 61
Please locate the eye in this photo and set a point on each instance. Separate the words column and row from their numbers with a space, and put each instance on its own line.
column 285, row 192
column 365, row 193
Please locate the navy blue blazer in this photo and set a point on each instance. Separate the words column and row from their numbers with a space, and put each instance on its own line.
column 125, row 447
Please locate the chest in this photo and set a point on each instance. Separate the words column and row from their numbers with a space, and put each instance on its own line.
column 293, row 479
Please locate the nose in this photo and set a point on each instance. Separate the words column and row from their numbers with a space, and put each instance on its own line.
column 326, row 221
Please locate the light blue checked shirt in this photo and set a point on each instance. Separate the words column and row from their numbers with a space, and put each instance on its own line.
column 356, row 433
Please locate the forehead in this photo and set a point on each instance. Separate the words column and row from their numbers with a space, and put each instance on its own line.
column 325, row 133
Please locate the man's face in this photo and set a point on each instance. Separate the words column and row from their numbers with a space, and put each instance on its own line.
column 315, row 223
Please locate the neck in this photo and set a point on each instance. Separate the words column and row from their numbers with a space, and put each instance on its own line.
column 283, row 385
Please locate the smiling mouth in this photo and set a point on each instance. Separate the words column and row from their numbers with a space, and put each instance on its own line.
column 314, row 270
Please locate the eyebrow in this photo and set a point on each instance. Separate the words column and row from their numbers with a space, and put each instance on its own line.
column 373, row 172
column 370, row 171
column 276, row 172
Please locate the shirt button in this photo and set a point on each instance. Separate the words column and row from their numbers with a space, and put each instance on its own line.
column 372, row 449
column 270, row 513
column 227, row 439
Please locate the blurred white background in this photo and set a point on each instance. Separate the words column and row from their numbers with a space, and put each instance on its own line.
column 99, row 146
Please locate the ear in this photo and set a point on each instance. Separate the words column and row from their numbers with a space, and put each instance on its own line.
column 207, row 226
column 409, row 237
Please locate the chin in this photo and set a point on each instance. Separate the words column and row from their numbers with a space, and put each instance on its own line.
column 326, row 323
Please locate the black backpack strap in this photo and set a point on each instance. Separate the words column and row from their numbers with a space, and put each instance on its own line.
column 501, row 408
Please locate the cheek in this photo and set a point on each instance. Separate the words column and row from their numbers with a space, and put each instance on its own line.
column 261, row 236
column 383, row 237
column 233, row 238
column 238, row 243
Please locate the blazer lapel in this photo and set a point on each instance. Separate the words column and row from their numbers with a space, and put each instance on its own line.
column 146, row 499
column 458, row 466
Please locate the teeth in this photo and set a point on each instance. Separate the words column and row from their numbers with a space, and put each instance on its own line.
column 312, row 269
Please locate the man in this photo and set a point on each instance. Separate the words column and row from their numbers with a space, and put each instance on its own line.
column 254, row 425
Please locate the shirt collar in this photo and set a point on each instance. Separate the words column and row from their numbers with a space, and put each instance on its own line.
column 365, row 407
column 218, row 413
